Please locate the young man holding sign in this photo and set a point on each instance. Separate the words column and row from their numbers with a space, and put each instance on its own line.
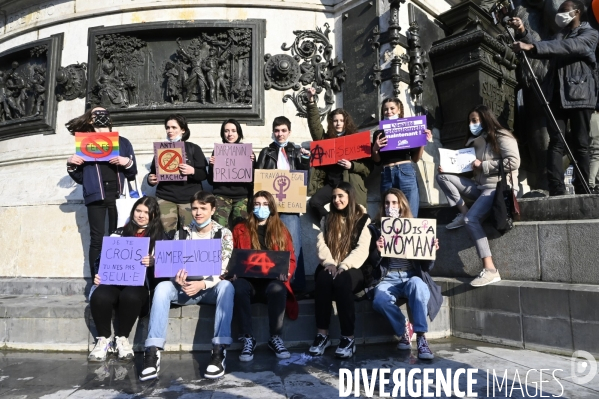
column 402, row 278
column 191, row 290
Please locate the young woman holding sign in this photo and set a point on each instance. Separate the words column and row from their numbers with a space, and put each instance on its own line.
column 324, row 178
column 264, row 230
column 231, row 197
column 403, row 278
column 342, row 249
column 129, row 302
column 493, row 144
column 398, row 168
column 174, row 196
column 103, row 182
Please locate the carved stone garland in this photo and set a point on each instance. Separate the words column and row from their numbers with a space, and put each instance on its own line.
column 310, row 64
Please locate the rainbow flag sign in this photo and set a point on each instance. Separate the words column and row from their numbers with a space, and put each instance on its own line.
column 97, row 147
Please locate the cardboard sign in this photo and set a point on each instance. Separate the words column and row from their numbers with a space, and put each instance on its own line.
column 289, row 187
column 404, row 133
column 331, row 151
column 232, row 163
column 167, row 158
column 97, row 147
column 120, row 261
column 457, row 161
column 198, row 257
column 258, row 264
column 409, row 238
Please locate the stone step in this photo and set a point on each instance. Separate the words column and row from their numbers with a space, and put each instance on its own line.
column 64, row 323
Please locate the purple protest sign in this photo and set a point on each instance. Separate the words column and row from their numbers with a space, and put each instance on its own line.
column 120, row 261
column 404, row 133
column 232, row 163
column 198, row 257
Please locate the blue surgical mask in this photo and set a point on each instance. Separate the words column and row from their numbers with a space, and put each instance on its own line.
column 199, row 226
column 281, row 145
column 261, row 212
column 393, row 117
column 476, row 129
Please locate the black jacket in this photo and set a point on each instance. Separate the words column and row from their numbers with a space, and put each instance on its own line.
column 231, row 190
column 572, row 65
column 269, row 156
column 181, row 191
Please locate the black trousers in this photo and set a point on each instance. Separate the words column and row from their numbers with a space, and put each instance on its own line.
column 96, row 215
column 129, row 302
column 341, row 289
column 580, row 127
column 320, row 199
column 252, row 290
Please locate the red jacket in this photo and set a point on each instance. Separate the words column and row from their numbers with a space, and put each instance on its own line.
column 241, row 240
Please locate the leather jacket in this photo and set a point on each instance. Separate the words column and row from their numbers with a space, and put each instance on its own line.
column 269, row 156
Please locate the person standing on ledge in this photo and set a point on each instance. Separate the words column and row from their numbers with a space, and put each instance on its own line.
column 570, row 87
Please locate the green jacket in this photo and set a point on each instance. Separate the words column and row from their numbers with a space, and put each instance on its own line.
column 355, row 176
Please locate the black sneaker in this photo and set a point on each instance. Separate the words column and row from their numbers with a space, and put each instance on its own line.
column 249, row 344
column 151, row 365
column 278, row 347
column 216, row 368
column 346, row 348
column 321, row 342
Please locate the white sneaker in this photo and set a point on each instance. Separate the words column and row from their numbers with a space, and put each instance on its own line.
column 485, row 278
column 123, row 348
column 457, row 222
column 98, row 354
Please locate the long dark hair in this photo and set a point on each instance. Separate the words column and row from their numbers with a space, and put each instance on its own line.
column 237, row 127
column 490, row 124
column 397, row 102
column 154, row 230
column 182, row 122
column 276, row 233
column 83, row 123
column 348, row 123
column 340, row 222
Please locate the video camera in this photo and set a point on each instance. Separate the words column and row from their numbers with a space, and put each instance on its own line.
column 501, row 11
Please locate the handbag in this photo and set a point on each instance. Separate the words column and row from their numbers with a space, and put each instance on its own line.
column 126, row 202
column 505, row 206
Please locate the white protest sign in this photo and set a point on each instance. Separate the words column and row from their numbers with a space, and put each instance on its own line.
column 457, row 161
column 409, row 238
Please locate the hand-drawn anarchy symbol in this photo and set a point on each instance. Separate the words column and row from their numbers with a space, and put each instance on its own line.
column 281, row 184
column 317, row 153
column 259, row 261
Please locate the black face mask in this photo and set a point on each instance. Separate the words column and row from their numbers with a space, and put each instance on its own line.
column 101, row 118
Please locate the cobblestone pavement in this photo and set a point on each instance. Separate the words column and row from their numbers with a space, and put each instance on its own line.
column 69, row 375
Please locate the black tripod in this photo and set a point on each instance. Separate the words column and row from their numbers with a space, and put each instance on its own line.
column 502, row 9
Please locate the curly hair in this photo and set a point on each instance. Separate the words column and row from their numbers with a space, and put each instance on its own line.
column 348, row 123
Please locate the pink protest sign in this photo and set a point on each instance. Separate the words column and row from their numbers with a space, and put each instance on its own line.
column 232, row 163
column 120, row 261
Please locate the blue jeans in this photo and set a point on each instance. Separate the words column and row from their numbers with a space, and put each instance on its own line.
column 221, row 295
column 403, row 177
column 402, row 285
column 293, row 224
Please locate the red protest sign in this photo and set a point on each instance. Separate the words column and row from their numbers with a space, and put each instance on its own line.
column 329, row 152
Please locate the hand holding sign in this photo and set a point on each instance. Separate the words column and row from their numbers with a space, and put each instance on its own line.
column 346, row 148
column 97, row 147
column 259, row 264
column 121, row 260
column 456, row 161
column 404, row 133
column 408, row 238
column 169, row 160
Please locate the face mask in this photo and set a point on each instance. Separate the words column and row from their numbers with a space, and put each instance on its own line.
column 281, row 145
column 393, row 117
column 392, row 212
column 261, row 212
column 178, row 138
column 101, row 118
column 199, row 226
column 476, row 128
column 562, row 19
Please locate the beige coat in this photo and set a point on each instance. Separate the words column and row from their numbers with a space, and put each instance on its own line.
column 487, row 175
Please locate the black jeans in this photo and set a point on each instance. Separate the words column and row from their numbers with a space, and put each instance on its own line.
column 252, row 290
column 580, row 127
column 320, row 199
column 341, row 289
column 96, row 215
column 130, row 303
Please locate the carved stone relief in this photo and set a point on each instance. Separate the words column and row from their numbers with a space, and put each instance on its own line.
column 71, row 82
column 203, row 69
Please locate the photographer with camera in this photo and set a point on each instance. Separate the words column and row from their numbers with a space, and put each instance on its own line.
column 570, row 87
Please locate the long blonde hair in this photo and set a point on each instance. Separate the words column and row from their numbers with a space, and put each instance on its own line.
column 276, row 233
column 339, row 223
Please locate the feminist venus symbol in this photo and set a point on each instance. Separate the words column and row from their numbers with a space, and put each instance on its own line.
column 283, row 183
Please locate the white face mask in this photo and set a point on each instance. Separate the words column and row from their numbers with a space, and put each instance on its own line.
column 392, row 212
column 176, row 139
column 392, row 117
column 562, row 19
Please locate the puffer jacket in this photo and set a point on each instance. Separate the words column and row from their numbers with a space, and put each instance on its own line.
column 355, row 176
column 487, row 175
column 572, row 56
